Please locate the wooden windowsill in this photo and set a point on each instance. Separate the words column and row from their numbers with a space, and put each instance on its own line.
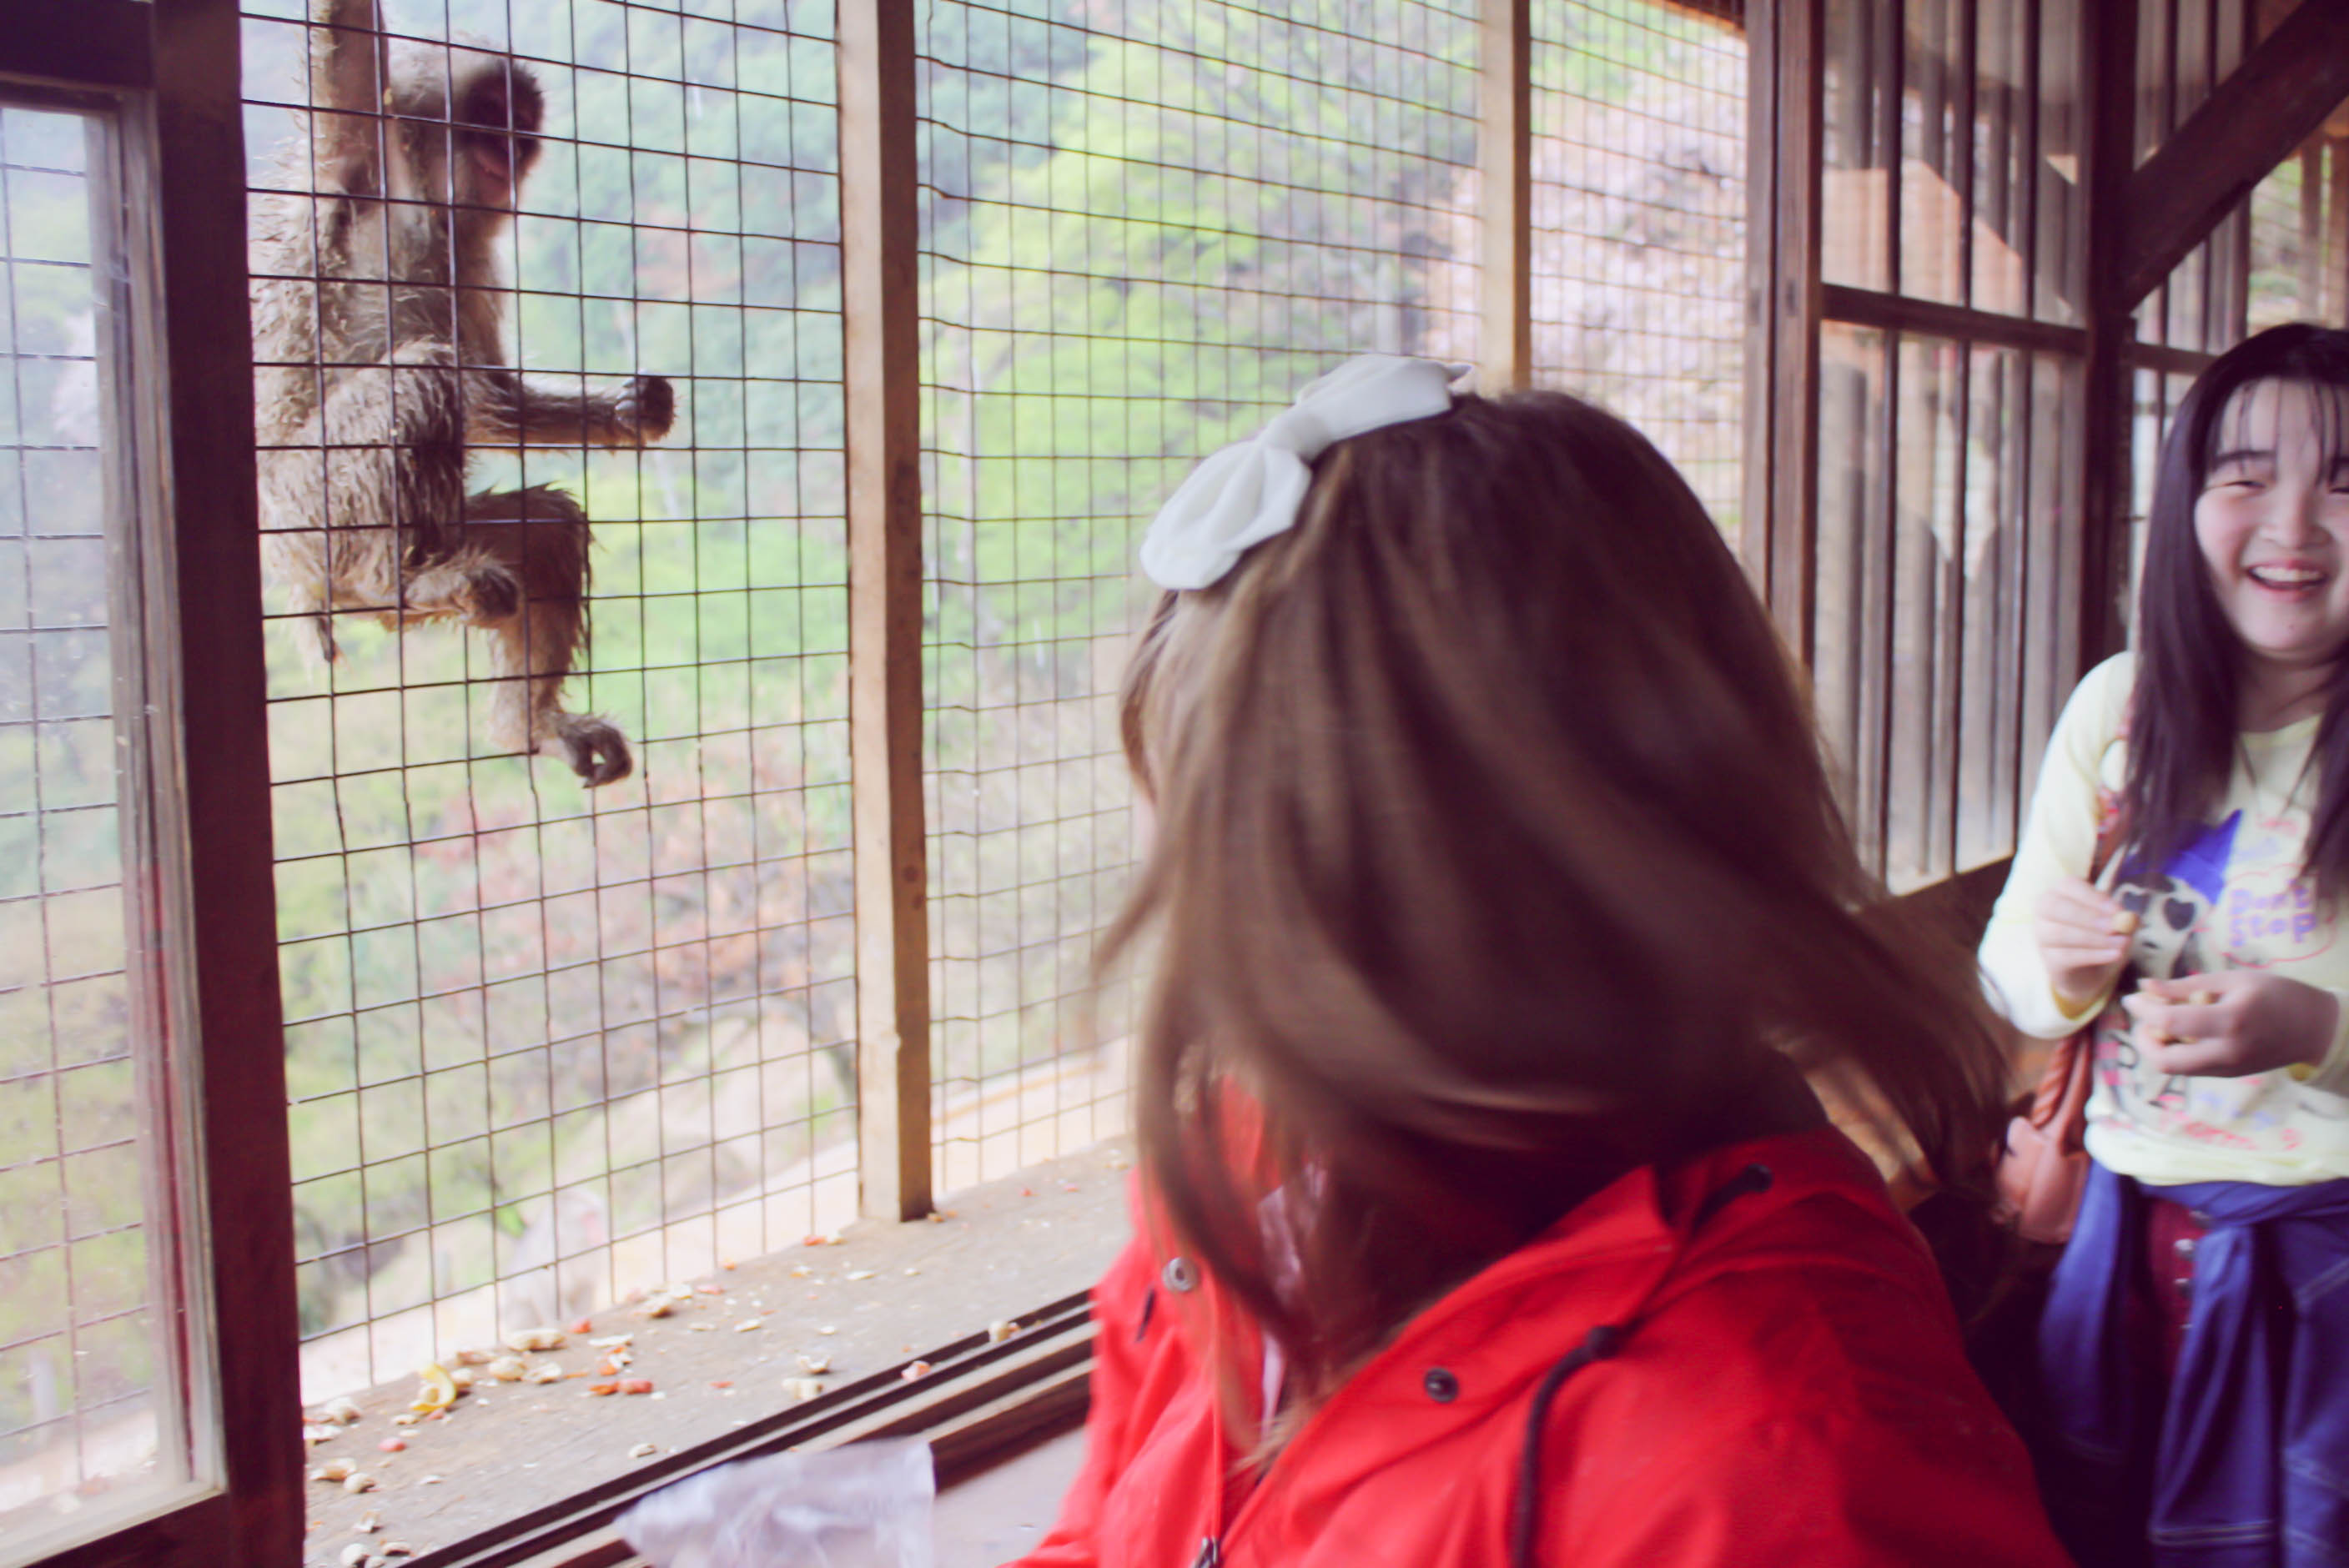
column 522, row 1466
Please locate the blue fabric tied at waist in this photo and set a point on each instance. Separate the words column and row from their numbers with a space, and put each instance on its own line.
column 2250, row 1463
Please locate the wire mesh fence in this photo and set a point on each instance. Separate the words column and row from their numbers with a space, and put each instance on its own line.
column 1638, row 216
column 1144, row 225
column 546, row 1044
column 88, row 1388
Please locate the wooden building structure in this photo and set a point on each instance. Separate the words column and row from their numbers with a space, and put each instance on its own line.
column 1983, row 242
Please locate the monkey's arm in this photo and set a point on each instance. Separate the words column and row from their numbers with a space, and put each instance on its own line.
column 505, row 409
column 349, row 68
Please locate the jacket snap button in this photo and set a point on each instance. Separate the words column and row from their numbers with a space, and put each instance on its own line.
column 2184, row 1246
column 1442, row 1385
column 1180, row 1274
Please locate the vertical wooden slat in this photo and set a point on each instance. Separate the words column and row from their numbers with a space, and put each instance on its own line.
column 2336, row 224
column 879, row 260
column 207, row 636
column 1504, row 164
column 1791, row 470
column 1763, row 271
column 2313, row 279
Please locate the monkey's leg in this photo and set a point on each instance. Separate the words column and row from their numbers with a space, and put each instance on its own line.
column 372, row 481
column 537, row 538
column 505, row 409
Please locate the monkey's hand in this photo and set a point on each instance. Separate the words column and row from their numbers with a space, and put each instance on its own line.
column 595, row 747
column 643, row 413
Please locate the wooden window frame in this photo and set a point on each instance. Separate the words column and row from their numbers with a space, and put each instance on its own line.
column 172, row 66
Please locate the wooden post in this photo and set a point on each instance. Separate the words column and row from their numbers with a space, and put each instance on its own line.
column 2096, row 574
column 1504, row 162
column 879, row 243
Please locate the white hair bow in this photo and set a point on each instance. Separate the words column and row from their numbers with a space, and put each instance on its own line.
column 1250, row 491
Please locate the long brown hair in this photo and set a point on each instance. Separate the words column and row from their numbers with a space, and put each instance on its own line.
column 1494, row 858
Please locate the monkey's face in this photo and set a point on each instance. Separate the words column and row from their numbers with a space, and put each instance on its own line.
column 469, row 125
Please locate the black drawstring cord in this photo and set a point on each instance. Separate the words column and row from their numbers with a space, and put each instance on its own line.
column 1601, row 1343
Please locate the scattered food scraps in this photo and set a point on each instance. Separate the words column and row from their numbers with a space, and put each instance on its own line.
column 917, row 1369
column 333, row 1469
column 341, row 1412
column 746, row 1326
column 354, row 1554
column 405, row 1419
column 827, row 1328
column 644, row 1450
column 359, row 1481
column 1002, row 1329
column 802, row 1389
column 636, row 1385
column 858, row 1273
column 393, row 1445
column 545, row 1372
column 815, row 1366
column 436, row 1391
column 583, row 1326
column 367, row 1523
column 600, row 1389
column 529, row 1339
column 506, row 1369
column 721, row 1382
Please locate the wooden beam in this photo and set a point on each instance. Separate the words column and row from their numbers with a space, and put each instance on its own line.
column 1903, row 313
column 1504, row 164
column 879, row 263
column 85, row 43
column 2268, row 106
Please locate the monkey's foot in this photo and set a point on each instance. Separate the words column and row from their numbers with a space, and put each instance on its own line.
column 593, row 747
column 643, row 412
column 490, row 593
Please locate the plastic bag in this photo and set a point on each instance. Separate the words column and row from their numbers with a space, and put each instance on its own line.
column 866, row 1505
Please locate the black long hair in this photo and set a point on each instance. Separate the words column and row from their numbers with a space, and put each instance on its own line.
column 2183, row 721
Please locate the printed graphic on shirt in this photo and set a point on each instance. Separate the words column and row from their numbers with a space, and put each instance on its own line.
column 2231, row 898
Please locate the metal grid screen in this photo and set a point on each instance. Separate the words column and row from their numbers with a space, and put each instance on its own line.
column 1145, row 226
column 85, row 1396
column 547, row 1045
column 1639, row 220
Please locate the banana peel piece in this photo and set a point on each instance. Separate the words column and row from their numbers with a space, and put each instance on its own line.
column 438, row 1390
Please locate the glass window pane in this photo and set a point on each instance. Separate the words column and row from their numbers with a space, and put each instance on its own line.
column 1847, row 666
column 93, row 1414
column 1935, row 156
column 1857, row 139
column 2058, row 232
column 1926, row 545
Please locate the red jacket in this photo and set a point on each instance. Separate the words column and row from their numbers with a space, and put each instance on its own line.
column 1786, row 1387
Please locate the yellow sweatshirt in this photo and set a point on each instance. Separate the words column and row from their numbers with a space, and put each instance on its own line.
column 2233, row 898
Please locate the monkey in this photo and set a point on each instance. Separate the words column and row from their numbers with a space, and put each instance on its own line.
column 379, row 360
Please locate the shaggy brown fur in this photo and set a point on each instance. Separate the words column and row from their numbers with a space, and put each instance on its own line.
column 376, row 316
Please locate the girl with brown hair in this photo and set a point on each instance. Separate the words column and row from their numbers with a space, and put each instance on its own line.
column 1496, row 907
